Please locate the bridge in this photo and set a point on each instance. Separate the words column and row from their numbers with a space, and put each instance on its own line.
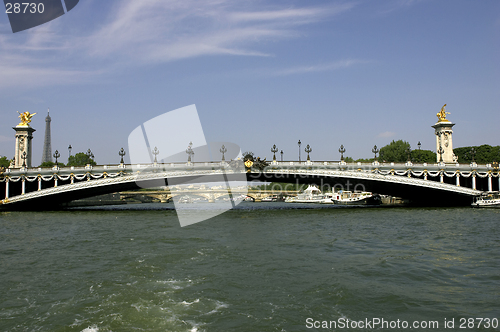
column 437, row 184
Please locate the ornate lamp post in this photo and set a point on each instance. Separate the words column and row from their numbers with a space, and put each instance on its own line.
column 440, row 151
column 375, row 150
column 473, row 155
column 274, row 149
column 69, row 150
column 308, row 150
column 299, row 143
column 155, row 152
column 223, row 150
column 90, row 155
column 342, row 151
column 419, row 145
column 122, row 153
column 408, row 151
column 57, row 155
column 281, row 155
column 190, row 151
column 23, row 157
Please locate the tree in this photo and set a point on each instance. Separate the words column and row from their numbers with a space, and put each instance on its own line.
column 423, row 156
column 348, row 159
column 485, row 154
column 49, row 164
column 80, row 159
column 396, row 151
column 4, row 162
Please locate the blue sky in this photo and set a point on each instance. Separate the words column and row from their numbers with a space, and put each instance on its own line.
column 260, row 73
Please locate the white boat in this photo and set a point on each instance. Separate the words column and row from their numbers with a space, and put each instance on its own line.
column 353, row 198
column 490, row 199
column 311, row 194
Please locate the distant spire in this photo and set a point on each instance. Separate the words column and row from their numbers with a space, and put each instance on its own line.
column 47, row 146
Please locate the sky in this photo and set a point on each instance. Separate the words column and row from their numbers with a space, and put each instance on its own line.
column 356, row 73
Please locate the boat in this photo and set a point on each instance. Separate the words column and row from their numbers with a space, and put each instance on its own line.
column 311, row 194
column 353, row 198
column 489, row 199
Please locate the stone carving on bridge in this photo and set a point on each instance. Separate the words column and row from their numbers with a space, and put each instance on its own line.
column 442, row 114
column 25, row 118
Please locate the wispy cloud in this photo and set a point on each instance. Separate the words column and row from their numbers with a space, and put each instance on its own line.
column 318, row 68
column 386, row 134
column 136, row 33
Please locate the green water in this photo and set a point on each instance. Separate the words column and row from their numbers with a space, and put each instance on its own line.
column 263, row 267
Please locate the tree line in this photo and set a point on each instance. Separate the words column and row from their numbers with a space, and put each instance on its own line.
column 396, row 151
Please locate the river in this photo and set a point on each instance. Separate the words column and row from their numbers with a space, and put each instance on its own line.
column 261, row 267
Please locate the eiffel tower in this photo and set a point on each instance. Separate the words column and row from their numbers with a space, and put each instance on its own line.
column 47, row 147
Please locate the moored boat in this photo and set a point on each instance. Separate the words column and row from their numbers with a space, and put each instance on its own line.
column 353, row 198
column 490, row 199
column 311, row 194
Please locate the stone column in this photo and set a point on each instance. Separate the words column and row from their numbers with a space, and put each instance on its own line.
column 444, row 133
column 24, row 135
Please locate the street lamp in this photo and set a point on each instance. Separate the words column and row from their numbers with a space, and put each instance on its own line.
column 308, row 150
column 419, row 145
column 155, row 152
column 473, row 154
column 57, row 155
column 342, row 151
column 440, row 151
column 408, row 150
column 223, row 150
column 281, row 155
column 122, row 153
column 375, row 150
column 190, row 151
column 90, row 155
column 23, row 157
column 299, row 143
column 69, row 150
column 274, row 149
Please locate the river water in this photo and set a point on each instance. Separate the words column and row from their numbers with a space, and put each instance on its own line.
column 260, row 267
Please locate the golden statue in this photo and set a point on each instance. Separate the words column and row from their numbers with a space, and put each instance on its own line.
column 25, row 118
column 442, row 114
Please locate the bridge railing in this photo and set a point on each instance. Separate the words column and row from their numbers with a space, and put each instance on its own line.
column 127, row 168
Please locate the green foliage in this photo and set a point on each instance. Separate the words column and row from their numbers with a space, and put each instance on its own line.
column 49, row 164
column 423, row 156
column 485, row 154
column 396, row 151
column 4, row 162
column 361, row 160
column 348, row 160
column 80, row 159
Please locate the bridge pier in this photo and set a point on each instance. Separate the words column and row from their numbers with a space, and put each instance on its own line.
column 458, row 179
column 23, row 186
column 7, row 189
column 474, row 181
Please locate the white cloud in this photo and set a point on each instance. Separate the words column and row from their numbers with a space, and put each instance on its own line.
column 319, row 68
column 138, row 33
